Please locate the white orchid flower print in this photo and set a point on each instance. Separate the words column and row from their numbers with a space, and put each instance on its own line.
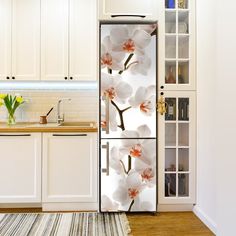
column 112, row 117
column 109, row 58
column 137, row 147
column 141, row 65
column 149, row 28
column 147, row 171
column 145, row 100
column 107, row 204
column 129, row 39
column 116, row 160
column 128, row 188
column 114, row 88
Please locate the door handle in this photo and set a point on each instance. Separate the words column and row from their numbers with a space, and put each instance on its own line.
column 161, row 105
column 106, row 170
column 107, row 113
column 69, row 135
column 141, row 16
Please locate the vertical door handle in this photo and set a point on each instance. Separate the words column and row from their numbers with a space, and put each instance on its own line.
column 161, row 104
column 107, row 118
column 106, row 170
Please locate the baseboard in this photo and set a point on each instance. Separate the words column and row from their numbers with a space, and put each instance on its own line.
column 20, row 205
column 205, row 219
column 84, row 206
column 174, row 207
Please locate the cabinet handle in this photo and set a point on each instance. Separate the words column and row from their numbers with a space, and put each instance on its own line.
column 13, row 77
column 69, row 135
column 65, row 78
column 141, row 16
column 71, row 78
column 7, row 77
column 15, row 135
column 106, row 170
column 162, row 87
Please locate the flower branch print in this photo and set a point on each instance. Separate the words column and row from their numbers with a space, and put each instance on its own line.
column 127, row 75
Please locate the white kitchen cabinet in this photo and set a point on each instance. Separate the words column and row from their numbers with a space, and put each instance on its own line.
column 177, row 149
column 128, row 10
column 70, row 168
column 68, row 40
column 20, row 169
column 20, row 40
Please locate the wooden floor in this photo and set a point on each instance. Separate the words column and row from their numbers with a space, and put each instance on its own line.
column 167, row 224
column 161, row 224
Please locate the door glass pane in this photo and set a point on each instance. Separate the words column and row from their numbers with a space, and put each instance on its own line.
column 183, row 134
column 170, row 4
column 170, row 134
column 183, row 72
column 128, row 175
column 170, row 159
column 170, row 185
column 171, row 109
column 183, row 22
column 182, row 4
column 170, row 73
column 170, row 22
column 170, row 47
column 183, row 183
column 183, row 109
column 183, row 47
column 183, row 159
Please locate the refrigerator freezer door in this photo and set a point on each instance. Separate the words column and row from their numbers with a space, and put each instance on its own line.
column 128, row 175
column 127, row 78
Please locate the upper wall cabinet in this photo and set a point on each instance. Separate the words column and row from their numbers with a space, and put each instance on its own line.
column 128, row 10
column 20, row 40
column 68, row 40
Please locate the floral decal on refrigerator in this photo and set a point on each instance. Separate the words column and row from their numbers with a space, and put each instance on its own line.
column 128, row 113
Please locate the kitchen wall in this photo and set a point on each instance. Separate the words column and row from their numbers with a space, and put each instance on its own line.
column 83, row 106
column 206, row 122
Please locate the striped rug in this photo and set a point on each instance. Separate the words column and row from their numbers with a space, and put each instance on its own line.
column 64, row 224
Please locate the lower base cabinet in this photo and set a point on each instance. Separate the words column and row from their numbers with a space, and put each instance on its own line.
column 20, row 168
column 69, row 171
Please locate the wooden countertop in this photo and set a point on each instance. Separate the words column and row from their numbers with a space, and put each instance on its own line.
column 49, row 127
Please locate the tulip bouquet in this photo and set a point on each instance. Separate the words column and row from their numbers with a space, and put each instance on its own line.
column 11, row 102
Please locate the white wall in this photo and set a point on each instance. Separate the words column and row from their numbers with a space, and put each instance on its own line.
column 216, row 159
column 226, row 110
column 206, row 122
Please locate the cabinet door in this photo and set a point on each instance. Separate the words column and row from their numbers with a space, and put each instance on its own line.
column 5, row 39
column 20, row 169
column 26, row 40
column 69, row 168
column 112, row 9
column 54, row 39
column 177, row 149
column 83, row 35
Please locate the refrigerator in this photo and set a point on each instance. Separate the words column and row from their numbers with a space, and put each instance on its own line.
column 128, row 117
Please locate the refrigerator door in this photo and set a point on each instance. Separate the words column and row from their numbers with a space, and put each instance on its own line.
column 128, row 59
column 128, row 175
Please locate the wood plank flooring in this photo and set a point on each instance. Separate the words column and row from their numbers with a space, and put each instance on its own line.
column 167, row 224
column 161, row 224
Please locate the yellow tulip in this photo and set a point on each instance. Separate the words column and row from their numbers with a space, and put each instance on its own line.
column 1, row 102
column 19, row 99
column 2, row 95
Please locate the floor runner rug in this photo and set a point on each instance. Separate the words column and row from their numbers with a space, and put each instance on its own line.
column 64, row 224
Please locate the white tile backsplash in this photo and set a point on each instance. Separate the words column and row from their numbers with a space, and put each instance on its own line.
column 83, row 105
